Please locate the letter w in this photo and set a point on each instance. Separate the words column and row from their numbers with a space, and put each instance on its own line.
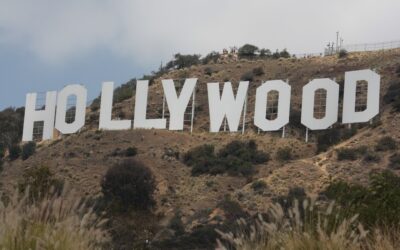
column 226, row 106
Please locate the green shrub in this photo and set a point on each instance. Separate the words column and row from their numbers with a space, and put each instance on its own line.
column 176, row 224
column 208, row 71
column 131, row 151
column 123, row 92
column 247, row 51
column 351, row 154
column 330, row 137
column 258, row 71
column 211, row 57
column 284, row 154
column 200, row 237
column 371, row 157
column 248, row 76
column 347, row 154
column 11, row 125
column 377, row 204
column 171, row 153
column 232, row 209
column 234, row 165
column 41, row 183
column 265, row 53
column 95, row 105
column 342, row 53
column 2, row 150
column 129, row 184
column 295, row 118
column 236, row 158
column 294, row 193
column 276, row 55
column 385, row 144
column 394, row 161
column 183, row 61
column 246, row 151
column 14, row 152
column 198, row 153
column 284, row 54
column 28, row 149
column 392, row 95
column 259, row 185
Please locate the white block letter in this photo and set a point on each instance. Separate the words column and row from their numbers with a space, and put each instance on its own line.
column 140, row 121
column 227, row 105
column 349, row 100
column 80, row 109
column 105, row 121
column 177, row 106
column 283, row 105
column 307, row 108
column 32, row 115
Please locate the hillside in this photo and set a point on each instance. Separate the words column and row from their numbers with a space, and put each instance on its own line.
column 83, row 159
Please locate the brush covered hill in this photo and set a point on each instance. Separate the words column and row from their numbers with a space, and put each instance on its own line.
column 340, row 153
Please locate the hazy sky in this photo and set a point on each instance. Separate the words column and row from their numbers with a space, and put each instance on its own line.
column 46, row 44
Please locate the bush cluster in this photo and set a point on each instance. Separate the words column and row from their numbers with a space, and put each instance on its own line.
column 250, row 51
column 211, row 57
column 209, row 71
column 125, row 91
column 200, row 237
column 2, row 150
column 371, row 157
column 236, row 158
column 28, row 150
column 247, row 51
column 183, row 61
column 386, row 143
column 232, row 210
column 294, row 193
column 131, row 151
column 265, row 53
column 14, row 152
column 392, row 95
column 351, row 154
column 280, row 54
column 11, row 125
column 330, row 137
column 394, row 161
column 129, row 184
column 247, row 76
column 342, row 53
column 284, row 154
column 258, row 71
column 259, row 185
column 40, row 182
column 128, row 152
column 377, row 204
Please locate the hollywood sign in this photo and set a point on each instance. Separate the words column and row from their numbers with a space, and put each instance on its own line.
column 221, row 106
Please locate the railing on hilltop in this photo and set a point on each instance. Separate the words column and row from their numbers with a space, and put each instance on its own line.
column 372, row 46
column 361, row 47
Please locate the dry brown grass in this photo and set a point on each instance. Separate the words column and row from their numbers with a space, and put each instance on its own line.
column 327, row 231
column 57, row 222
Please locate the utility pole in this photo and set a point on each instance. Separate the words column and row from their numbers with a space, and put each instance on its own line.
column 337, row 41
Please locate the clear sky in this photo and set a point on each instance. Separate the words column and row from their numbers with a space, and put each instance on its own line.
column 46, row 44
